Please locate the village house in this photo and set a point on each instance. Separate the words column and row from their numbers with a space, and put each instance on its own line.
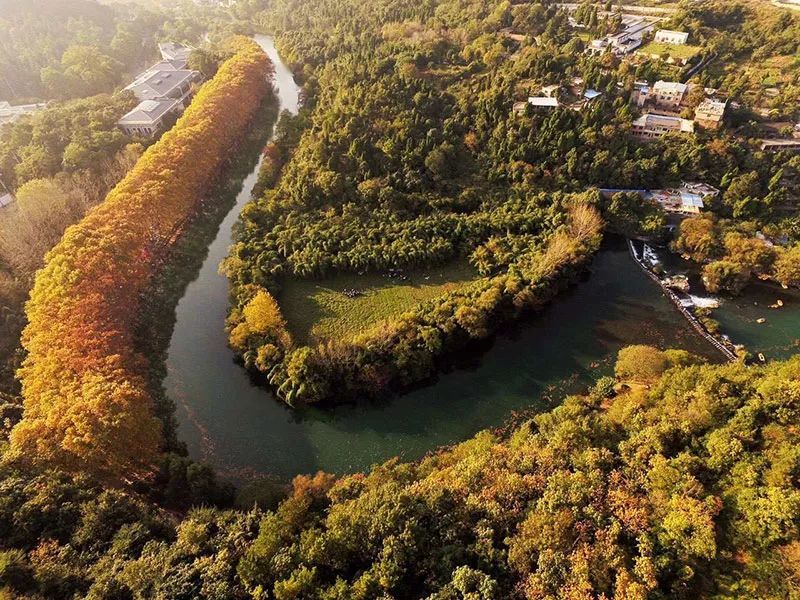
column 175, row 52
column 667, row 36
column 545, row 102
column 640, row 93
column 668, row 94
column 709, row 113
column 148, row 117
column 780, row 145
column 688, row 199
column 652, row 126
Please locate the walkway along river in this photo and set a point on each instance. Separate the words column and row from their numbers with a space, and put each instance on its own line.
column 237, row 427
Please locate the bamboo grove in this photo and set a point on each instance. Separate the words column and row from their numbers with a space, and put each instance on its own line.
column 87, row 406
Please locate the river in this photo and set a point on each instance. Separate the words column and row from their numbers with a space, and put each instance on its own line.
column 241, row 430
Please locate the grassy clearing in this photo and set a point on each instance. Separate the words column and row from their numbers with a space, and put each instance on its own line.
column 318, row 309
column 678, row 52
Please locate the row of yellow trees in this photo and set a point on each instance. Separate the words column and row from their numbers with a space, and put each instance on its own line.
column 87, row 403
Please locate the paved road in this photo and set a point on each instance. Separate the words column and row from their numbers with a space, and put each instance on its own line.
column 632, row 8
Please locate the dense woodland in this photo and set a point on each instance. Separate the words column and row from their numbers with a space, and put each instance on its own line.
column 407, row 154
column 679, row 480
column 673, row 479
column 87, row 402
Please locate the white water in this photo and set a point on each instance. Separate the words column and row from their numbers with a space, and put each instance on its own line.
column 701, row 302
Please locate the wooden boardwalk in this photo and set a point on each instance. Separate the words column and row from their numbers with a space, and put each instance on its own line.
column 726, row 350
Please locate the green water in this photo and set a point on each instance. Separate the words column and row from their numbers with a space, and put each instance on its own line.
column 240, row 429
column 778, row 337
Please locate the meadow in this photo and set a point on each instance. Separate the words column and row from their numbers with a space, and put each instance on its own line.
column 318, row 309
column 684, row 52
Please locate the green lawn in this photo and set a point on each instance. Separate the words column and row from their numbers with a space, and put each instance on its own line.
column 316, row 309
column 658, row 48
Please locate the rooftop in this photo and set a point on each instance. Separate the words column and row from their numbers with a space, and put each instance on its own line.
column 650, row 120
column 545, row 101
column 669, row 87
column 712, row 107
column 148, row 112
column 672, row 32
column 159, row 81
column 173, row 51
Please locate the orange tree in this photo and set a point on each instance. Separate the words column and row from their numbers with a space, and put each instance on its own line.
column 87, row 402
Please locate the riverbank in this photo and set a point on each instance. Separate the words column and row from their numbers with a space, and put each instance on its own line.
column 762, row 323
column 181, row 264
column 725, row 347
column 231, row 423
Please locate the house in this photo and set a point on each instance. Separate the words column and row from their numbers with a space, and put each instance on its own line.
column 626, row 41
column 668, row 94
column 162, row 89
column 640, row 93
column 9, row 113
column 705, row 191
column 709, row 113
column 667, row 36
column 148, row 117
column 163, row 80
column 651, row 126
column 543, row 102
column 689, row 199
column 6, row 199
column 591, row 94
column 170, row 51
column 780, row 145
column 576, row 86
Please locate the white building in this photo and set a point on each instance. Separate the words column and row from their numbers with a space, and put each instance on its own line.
column 668, row 94
column 148, row 117
column 5, row 199
column 780, row 145
column 667, row 36
column 543, row 102
column 162, row 89
column 650, row 126
column 163, row 80
column 9, row 114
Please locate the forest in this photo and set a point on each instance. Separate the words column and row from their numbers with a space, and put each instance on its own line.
column 668, row 478
column 672, row 479
column 407, row 154
column 87, row 405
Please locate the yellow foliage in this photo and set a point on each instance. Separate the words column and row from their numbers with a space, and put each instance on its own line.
column 87, row 398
